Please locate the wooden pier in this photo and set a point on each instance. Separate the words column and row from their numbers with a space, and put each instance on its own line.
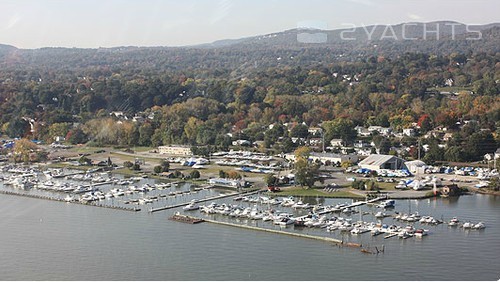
column 69, row 174
column 12, row 193
column 200, row 201
column 327, row 239
column 391, row 235
column 186, row 219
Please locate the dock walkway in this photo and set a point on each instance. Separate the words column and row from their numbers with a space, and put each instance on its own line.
column 12, row 193
column 201, row 201
column 327, row 239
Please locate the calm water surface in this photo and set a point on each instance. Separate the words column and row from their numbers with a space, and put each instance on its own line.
column 46, row 240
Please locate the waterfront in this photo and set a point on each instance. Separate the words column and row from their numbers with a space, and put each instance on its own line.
column 48, row 240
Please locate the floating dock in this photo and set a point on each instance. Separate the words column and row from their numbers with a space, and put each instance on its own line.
column 186, row 219
column 200, row 201
column 134, row 209
column 327, row 239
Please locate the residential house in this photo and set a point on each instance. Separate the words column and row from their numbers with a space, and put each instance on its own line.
column 241, row 142
column 409, row 132
column 384, row 131
column 336, row 143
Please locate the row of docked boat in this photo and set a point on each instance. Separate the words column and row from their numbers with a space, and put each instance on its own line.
column 311, row 220
column 291, row 202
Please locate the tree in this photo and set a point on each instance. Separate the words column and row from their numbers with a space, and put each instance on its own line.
column 233, row 175
column 84, row 161
column 17, row 128
column 76, row 136
column 222, row 174
column 136, row 167
column 340, row 128
column 306, row 173
column 300, row 131
column 384, row 146
column 435, row 153
column 157, row 169
column 145, row 133
column 58, row 129
column 195, row 174
column 425, row 123
column 128, row 164
column 165, row 166
column 23, row 150
column 270, row 179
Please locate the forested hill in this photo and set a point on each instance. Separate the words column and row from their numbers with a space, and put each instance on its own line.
column 196, row 95
column 277, row 49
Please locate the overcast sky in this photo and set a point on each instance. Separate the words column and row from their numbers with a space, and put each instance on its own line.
column 108, row 23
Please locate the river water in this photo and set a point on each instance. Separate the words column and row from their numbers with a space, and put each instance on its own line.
column 48, row 240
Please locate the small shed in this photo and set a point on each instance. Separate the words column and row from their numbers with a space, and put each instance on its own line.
column 450, row 190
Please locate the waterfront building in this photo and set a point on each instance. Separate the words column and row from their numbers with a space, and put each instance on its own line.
column 176, row 150
column 378, row 162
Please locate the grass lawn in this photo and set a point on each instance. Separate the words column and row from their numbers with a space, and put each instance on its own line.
column 128, row 157
column 385, row 186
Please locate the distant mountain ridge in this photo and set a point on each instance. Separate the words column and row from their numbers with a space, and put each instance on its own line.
column 295, row 47
column 398, row 32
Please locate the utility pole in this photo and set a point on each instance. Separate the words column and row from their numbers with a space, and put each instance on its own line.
column 323, row 139
column 419, row 148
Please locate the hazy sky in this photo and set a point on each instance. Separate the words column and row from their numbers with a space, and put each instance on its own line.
column 107, row 23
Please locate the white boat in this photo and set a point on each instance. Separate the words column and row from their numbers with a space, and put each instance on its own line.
column 479, row 225
column 69, row 198
column 380, row 214
column 468, row 225
column 286, row 221
column 358, row 230
column 419, row 233
column 375, row 232
column 453, row 222
column 346, row 227
column 191, row 206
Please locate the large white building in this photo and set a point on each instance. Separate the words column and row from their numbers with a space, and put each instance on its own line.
column 378, row 162
column 175, row 150
column 325, row 157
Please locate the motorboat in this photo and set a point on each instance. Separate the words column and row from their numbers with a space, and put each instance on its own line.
column 191, row 206
column 375, row 232
column 286, row 221
column 69, row 198
column 380, row 214
column 453, row 222
column 468, row 225
column 419, row 233
column 479, row 225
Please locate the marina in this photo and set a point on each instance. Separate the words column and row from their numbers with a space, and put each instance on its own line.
column 265, row 221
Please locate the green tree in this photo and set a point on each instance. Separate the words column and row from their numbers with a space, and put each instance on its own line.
column 145, row 134
column 306, row 173
column 270, row 179
column 300, row 131
column 58, row 129
column 158, row 169
column 195, row 174
column 340, row 128
column 222, row 174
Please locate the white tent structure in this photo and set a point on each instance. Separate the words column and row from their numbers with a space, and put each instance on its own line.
column 416, row 166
